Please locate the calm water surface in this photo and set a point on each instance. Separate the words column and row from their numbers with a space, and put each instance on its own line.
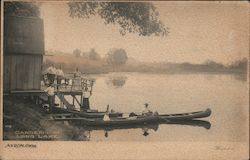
column 225, row 94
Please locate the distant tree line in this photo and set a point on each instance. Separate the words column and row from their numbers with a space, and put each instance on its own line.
column 239, row 66
column 115, row 56
column 116, row 61
column 88, row 62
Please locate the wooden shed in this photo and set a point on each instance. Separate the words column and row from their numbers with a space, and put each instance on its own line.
column 23, row 53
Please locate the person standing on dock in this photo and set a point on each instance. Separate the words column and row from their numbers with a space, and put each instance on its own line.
column 51, row 96
column 85, row 98
column 60, row 75
column 87, row 86
column 77, row 73
column 51, row 73
column 76, row 81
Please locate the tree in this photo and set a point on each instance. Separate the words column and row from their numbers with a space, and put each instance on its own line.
column 77, row 52
column 240, row 64
column 117, row 57
column 93, row 55
column 24, row 9
column 133, row 17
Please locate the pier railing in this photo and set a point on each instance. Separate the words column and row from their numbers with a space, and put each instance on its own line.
column 70, row 84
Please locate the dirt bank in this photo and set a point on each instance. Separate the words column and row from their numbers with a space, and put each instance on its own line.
column 24, row 120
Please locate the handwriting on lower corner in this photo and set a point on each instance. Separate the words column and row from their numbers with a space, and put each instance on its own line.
column 223, row 148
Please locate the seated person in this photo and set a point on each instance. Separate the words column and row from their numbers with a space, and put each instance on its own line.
column 146, row 111
column 106, row 115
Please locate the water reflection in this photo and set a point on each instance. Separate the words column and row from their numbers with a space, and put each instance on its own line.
column 106, row 134
column 234, row 76
column 240, row 77
column 146, row 129
column 68, row 130
column 116, row 81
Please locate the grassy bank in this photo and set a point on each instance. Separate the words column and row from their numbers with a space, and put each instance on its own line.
column 24, row 120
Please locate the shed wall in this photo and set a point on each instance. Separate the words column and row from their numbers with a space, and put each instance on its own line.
column 22, row 72
column 23, row 53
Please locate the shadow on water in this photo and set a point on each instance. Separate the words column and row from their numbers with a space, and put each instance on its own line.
column 70, row 131
column 145, row 128
column 116, row 81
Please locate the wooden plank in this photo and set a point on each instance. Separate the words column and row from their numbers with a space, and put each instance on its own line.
column 13, row 73
column 37, row 72
column 76, row 100
column 20, row 72
column 31, row 75
column 41, row 92
column 6, row 73
column 66, row 103
column 62, row 114
column 25, row 72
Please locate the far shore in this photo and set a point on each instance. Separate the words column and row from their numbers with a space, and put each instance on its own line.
column 69, row 64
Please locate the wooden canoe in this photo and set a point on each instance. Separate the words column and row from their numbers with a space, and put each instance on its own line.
column 154, row 126
column 91, row 114
column 118, row 121
column 186, row 116
column 115, row 121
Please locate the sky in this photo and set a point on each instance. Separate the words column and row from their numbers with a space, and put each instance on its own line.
column 199, row 31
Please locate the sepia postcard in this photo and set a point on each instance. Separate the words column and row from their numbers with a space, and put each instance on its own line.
column 124, row 80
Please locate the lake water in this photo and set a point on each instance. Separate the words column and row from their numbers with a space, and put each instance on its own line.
column 225, row 94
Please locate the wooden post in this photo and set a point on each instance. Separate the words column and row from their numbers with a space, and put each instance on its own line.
column 62, row 101
column 75, row 97
column 61, row 104
column 81, row 101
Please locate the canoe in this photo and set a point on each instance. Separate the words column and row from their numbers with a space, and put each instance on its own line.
column 195, row 123
column 186, row 116
column 90, row 114
column 119, row 121
column 162, row 117
column 115, row 121
column 154, row 126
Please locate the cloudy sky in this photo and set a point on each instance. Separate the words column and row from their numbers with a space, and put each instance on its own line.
column 198, row 31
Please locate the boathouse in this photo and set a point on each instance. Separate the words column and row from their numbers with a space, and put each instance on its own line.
column 22, row 53
column 23, row 59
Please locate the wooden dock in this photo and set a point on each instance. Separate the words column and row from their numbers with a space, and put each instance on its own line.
column 75, row 91
column 59, row 94
column 42, row 93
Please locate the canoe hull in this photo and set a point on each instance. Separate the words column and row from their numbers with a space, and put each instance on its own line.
column 186, row 116
column 151, row 125
column 58, row 111
column 112, row 122
column 136, row 120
